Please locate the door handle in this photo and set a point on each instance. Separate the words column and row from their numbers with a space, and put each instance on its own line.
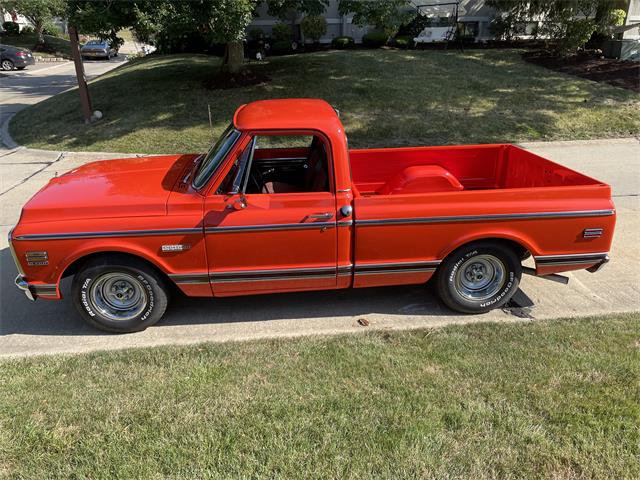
column 321, row 216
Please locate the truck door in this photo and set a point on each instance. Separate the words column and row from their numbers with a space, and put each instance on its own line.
column 271, row 224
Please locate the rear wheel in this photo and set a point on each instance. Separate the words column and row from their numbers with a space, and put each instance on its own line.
column 119, row 294
column 479, row 277
column 7, row 65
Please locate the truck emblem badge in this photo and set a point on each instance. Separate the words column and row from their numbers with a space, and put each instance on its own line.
column 175, row 248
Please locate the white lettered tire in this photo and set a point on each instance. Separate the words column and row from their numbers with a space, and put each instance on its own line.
column 119, row 294
column 479, row 277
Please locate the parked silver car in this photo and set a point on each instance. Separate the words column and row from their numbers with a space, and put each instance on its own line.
column 98, row 49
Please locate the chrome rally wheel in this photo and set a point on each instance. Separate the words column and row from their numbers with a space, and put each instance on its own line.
column 118, row 296
column 480, row 277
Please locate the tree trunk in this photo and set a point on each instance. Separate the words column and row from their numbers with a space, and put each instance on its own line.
column 38, row 28
column 233, row 57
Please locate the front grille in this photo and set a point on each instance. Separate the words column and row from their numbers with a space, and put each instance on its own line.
column 37, row 258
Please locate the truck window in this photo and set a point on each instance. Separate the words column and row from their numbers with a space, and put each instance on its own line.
column 212, row 159
column 288, row 164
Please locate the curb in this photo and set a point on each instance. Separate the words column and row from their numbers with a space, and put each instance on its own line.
column 50, row 59
column 5, row 138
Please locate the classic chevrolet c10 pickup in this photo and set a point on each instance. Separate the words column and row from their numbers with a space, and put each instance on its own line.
column 251, row 216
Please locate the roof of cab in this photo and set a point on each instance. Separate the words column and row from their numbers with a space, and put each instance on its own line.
column 287, row 114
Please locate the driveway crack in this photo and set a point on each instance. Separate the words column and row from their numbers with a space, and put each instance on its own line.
column 24, row 180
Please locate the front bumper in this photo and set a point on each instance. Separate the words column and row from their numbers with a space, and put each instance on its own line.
column 22, row 284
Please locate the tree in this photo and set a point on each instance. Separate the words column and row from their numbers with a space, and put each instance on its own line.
column 314, row 27
column 386, row 15
column 568, row 24
column 224, row 21
column 38, row 12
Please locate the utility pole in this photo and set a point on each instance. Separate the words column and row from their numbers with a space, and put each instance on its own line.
column 85, row 99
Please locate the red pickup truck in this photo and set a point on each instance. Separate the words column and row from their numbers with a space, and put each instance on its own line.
column 253, row 216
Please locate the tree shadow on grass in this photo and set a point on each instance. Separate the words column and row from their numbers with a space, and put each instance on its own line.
column 158, row 104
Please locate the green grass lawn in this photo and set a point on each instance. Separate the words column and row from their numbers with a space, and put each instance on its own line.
column 387, row 97
column 542, row 399
column 61, row 46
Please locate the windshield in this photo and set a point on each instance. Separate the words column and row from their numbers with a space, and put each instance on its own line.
column 95, row 42
column 213, row 158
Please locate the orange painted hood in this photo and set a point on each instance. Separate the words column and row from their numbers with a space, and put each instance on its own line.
column 125, row 187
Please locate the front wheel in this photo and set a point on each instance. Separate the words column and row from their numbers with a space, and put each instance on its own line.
column 119, row 294
column 479, row 277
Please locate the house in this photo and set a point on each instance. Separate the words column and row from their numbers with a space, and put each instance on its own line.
column 474, row 18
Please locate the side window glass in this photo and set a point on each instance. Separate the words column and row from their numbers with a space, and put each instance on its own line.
column 288, row 164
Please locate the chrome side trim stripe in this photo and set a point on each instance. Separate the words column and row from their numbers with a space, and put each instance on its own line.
column 279, row 274
column 261, row 275
column 484, row 218
column 570, row 259
column 122, row 233
column 45, row 290
column 270, row 227
column 190, row 278
column 345, row 223
column 402, row 267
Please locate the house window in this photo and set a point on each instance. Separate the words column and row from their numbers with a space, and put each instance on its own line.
column 468, row 29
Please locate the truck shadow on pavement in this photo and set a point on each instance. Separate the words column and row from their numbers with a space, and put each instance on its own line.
column 18, row 315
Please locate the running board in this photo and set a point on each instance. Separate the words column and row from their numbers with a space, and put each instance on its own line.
column 554, row 277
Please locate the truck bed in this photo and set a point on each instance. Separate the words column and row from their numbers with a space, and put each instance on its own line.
column 417, row 170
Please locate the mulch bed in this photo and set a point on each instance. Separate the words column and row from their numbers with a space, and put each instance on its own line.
column 246, row 78
column 625, row 74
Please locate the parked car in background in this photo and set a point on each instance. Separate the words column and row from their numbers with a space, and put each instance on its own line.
column 15, row 57
column 98, row 49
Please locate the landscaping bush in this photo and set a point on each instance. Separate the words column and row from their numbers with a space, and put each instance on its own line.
column 314, row 27
column 403, row 41
column 281, row 47
column 342, row 42
column 281, row 32
column 374, row 39
column 11, row 28
column 27, row 31
column 50, row 28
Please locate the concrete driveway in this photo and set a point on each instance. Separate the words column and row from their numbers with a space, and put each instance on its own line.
column 54, row 327
column 21, row 88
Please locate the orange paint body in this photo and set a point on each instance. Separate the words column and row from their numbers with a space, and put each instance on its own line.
column 411, row 207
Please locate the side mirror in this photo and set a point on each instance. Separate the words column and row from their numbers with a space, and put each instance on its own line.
column 237, row 203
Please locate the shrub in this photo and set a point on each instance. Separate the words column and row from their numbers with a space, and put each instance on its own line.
column 50, row 28
column 314, row 27
column 27, row 30
column 281, row 32
column 281, row 46
column 374, row 39
column 342, row 42
column 403, row 41
column 12, row 28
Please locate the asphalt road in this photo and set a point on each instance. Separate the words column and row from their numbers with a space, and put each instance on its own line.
column 46, row 327
column 21, row 88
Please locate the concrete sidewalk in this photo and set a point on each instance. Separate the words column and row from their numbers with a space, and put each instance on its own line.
column 54, row 327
